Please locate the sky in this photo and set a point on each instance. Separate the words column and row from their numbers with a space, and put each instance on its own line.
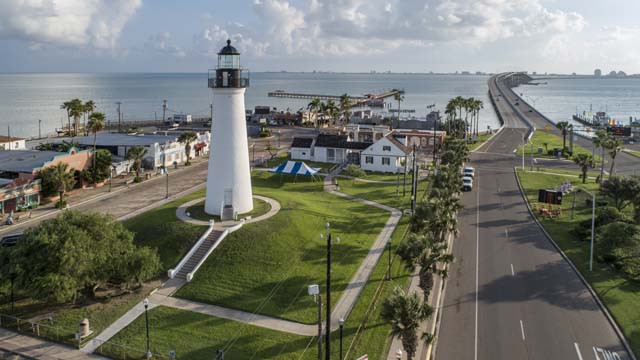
column 555, row 36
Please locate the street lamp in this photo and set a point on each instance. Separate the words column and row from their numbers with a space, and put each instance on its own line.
column 146, row 316
column 328, row 320
column 593, row 221
column 314, row 290
column 341, row 326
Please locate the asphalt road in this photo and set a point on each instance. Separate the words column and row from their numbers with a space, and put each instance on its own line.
column 510, row 294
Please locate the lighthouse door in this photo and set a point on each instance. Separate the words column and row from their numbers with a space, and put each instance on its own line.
column 225, row 79
column 228, row 197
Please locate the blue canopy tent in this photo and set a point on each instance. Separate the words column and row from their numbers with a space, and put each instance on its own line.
column 295, row 168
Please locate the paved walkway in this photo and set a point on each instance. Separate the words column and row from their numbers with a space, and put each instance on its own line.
column 181, row 213
column 37, row 348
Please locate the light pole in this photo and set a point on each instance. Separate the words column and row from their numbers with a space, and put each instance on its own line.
column 523, row 151
column 146, row 316
column 278, row 138
column 314, row 290
column 39, row 128
column 328, row 306
column 111, row 178
column 163, row 147
column 341, row 326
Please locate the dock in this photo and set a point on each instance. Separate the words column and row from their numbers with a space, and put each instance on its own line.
column 357, row 100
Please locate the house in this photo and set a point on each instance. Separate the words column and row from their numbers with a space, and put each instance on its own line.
column 385, row 155
column 301, row 148
column 328, row 148
column 367, row 132
column 12, row 143
column 16, row 195
column 423, row 139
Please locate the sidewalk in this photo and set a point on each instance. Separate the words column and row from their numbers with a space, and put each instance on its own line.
column 40, row 349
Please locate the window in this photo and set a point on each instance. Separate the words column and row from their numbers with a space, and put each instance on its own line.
column 368, row 160
column 331, row 154
column 386, row 161
column 386, row 148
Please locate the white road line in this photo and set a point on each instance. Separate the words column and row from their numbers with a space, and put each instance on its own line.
column 522, row 329
column 512, row 272
column 506, row 232
column 477, row 259
column 578, row 351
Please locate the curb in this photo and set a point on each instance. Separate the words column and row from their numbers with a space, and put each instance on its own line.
column 604, row 309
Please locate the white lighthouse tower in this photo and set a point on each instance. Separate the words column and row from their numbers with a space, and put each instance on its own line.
column 229, row 176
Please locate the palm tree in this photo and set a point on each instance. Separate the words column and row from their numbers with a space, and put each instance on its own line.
column 429, row 260
column 564, row 127
column 63, row 180
column 67, row 105
column 584, row 161
column 89, row 107
column 96, row 124
column 331, row 109
column 399, row 98
column 614, row 146
column 187, row 138
column 345, row 106
column 601, row 140
column 478, row 105
column 136, row 153
column 314, row 106
column 405, row 312
column 75, row 111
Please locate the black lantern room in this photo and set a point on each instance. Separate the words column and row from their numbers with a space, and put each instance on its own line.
column 228, row 74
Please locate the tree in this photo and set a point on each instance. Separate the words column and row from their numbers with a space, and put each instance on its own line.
column 584, row 161
column 96, row 124
column 67, row 105
column 314, row 106
column 77, row 253
column 354, row 170
column 272, row 150
column 56, row 179
column 89, row 107
column 399, row 98
column 622, row 190
column 136, row 154
column 345, row 106
column 614, row 146
column 75, row 109
column 613, row 236
column 601, row 140
column 405, row 312
column 102, row 168
column 564, row 127
column 410, row 250
column 187, row 138
column 429, row 260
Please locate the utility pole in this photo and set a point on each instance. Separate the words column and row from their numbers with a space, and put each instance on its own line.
column 523, row 151
column 119, row 117
column 164, row 110
column 328, row 305
column 211, row 108
column 39, row 128
column 9, row 135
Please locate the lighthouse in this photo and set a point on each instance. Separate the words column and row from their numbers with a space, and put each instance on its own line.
column 229, row 175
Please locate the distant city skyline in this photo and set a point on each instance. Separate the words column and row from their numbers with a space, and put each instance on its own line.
column 442, row 36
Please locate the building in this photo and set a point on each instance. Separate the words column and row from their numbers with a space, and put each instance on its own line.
column 366, row 132
column 337, row 149
column 385, row 155
column 422, row 139
column 17, row 195
column 301, row 148
column 12, row 143
column 229, row 178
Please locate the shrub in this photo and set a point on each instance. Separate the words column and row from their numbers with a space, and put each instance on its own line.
column 354, row 171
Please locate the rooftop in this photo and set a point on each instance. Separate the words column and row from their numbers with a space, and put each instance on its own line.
column 406, row 149
column 5, row 139
column 25, row 161
column 301, row 142
column 340, row 142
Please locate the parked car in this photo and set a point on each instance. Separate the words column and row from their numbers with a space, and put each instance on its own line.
column 469, row 171
column 467, row 183
column 11, row 240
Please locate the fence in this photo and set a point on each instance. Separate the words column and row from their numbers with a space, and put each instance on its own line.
column 123, row 352
column 43, row 329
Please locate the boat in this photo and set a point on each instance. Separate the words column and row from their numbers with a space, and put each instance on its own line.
column 600, row 118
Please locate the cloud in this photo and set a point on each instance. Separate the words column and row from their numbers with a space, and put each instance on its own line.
column 161, row 43
column 93, row 23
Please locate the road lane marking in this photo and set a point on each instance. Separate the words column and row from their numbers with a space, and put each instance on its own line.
column 512, row 272
column 522, row 329
column 477, row 257
column 578, row 351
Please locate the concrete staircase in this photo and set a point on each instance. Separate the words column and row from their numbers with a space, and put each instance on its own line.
column 199, row 254
column 227, row 213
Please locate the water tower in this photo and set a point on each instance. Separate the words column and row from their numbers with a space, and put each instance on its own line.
column 229, row 176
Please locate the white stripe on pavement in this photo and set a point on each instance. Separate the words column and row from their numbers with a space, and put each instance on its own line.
column 522, row 329
column 578, row 351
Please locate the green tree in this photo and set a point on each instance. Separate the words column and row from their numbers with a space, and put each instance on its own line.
column 399, row 98
column 187, row 138
column 136, row 154
column 314, row 107
column 411, row 249
column 564, row 127
column 88, row 108
column 77, row 253
column 56, row 179
column 405, row 312
column 271, row 149
column 433, row 261
column 614, row 146
column 345, row 107
column 96, row 124
column 584, row 161
column 354, row 170
column 616, row 235
column 622, row 190
column 601, row 140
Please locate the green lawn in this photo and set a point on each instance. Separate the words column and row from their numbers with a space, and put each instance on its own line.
column 161, row 229
column 620, row 296
column 635, row 153
column 540, row 137
column 482, row 138
column 591, row 175
column 387, row 194
column 267, row 266
column 260, row 207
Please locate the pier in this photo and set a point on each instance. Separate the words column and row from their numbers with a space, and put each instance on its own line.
column 357, row 100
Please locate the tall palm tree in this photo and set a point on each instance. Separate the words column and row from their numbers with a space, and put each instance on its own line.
column 314, row 106
column 67, row 105
column 429, row 260
column 614, row 146
column 330, row 108
column 76, row 110
column 89, row 108
column 187, row 138
column 96, row 124
column 63, row 180
column 601, row 140
column 564, row 127
column 478, row 105
column 136, row 153
column 345, row 106
column 399, row 98
column 584, row 161
column 405, row 312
